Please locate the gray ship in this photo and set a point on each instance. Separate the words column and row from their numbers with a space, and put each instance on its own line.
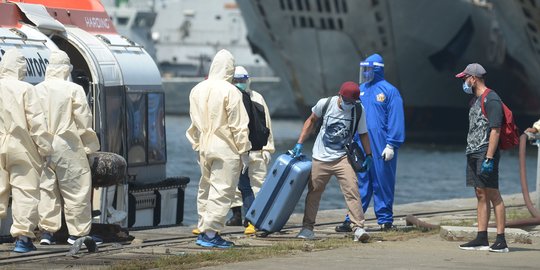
column 315, row 45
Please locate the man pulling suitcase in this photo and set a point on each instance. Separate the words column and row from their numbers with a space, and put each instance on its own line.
column 330, row 156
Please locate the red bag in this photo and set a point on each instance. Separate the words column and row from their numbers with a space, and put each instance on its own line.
column 509, row 131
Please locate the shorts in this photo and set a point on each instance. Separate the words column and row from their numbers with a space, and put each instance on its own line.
column 482, row 180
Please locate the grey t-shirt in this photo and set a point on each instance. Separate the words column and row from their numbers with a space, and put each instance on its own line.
column 335, row 131
column 480, row 126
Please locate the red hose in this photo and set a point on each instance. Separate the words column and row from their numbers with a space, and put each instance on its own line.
column 523, row 177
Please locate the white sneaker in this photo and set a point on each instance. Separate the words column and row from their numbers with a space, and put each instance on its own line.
column 306, row 234
column 361, row 235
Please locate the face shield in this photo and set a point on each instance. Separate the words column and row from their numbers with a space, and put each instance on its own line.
column 367, row 73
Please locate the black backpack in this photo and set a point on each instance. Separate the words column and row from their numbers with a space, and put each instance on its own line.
column 258, row 132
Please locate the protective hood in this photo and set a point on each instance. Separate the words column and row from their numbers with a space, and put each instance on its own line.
column 13, row 65
column 222, row 67
column 377, row 69
column 59, row 66
column 241, row 73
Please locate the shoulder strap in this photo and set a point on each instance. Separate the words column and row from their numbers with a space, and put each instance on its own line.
column 484, row 95
column 356, row 114
column 325, row 107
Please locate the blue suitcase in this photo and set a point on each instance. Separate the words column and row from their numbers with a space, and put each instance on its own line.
column 279, row 194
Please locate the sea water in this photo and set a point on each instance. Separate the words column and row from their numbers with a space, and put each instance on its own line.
column 424, row 172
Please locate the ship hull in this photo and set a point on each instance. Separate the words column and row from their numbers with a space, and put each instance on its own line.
column 422, row 52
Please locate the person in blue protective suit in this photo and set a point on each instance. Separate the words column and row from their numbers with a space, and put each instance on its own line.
column 386, row 128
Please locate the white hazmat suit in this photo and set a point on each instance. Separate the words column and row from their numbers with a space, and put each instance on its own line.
column 67, row 179
column 22, row 127
column 258, row 160
column 219, row 133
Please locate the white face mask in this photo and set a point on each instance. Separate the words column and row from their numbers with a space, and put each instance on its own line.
column 347, row 106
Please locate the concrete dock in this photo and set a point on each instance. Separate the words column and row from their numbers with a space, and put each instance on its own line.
column 426, row 252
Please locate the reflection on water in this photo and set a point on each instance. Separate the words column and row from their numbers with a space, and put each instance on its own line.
column 425, row 172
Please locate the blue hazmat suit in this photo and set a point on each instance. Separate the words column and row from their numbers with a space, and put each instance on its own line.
column 383, row 107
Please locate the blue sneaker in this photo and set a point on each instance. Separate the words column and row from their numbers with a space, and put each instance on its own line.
column 47, row 238
column 217, row 241
column 72, row 239
column 199, row 239
column 23, row 247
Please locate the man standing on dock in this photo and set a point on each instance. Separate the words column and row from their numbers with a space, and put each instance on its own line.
column 219, row 134
column 483, row 157
column 386, row 126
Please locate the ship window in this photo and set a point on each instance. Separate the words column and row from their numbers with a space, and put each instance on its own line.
column 282, row 4
column 311, row 24
column 381, row 30
column 319, row 6
column 327, row 6
column 323, row 23
column 384, row 42
column 156, row 128
column 115, row 131
column 289, row 3
column 307, row 5
column 218, row 17
column 336, row 4
column 331, row 23
column 344, row 5
column 293, row 21
column 302, row 21
column 527, row 13
column 340, row 23
column 122, row 20
column 374, row 2
column 136, row 127
column 378, row 17
column 299, row 5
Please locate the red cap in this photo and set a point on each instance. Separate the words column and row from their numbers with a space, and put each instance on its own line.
column 350, row 90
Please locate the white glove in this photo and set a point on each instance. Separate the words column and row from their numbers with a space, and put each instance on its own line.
column 388, row 153
column 266, row 157
column 245, row 161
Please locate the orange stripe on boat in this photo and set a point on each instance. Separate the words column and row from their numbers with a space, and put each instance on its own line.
column 93, row 5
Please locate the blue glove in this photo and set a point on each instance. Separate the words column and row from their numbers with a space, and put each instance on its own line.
column 487, row 166
column 297, row 150
column 367, row 163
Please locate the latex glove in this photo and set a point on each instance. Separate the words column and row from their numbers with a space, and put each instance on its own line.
column 487, row 166
column 297, row 150
column 367, row 163
column 266, row 157
column 245, row 161
column 388, row 153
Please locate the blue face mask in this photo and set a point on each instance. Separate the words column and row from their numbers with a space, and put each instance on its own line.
column 241, row 86
column 467, row 89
